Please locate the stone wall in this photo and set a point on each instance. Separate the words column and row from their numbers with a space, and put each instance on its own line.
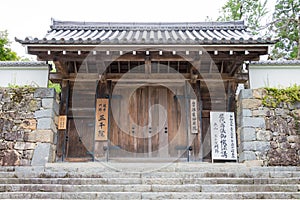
column 27, row 126
column 268, row 135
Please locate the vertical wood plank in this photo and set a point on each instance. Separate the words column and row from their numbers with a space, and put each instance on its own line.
column 171, row 118
column 154, row 137
column 134, row 125
column 163, row 123
column 138, row 107
column 145, row 118
column 152, row 130
column 127, row 145
column 181, row 122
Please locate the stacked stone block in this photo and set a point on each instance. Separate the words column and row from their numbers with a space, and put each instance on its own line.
column 46, row 133
column 267, row 135
column 27, row 124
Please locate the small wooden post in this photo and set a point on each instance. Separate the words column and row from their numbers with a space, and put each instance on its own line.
column 147, row 65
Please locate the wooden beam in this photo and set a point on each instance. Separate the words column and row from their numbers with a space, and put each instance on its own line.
column 234, row 68
column 91, row 77
column 55, row 77
column 32, row 49
column 167, row 56
column 62, row 68
column 87, row 76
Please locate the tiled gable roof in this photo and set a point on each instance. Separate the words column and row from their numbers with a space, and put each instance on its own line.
column 69, row 32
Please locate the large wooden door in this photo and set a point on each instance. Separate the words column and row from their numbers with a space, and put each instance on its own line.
column 150, row 123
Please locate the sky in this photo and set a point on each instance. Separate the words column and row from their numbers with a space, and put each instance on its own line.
column 22, row 18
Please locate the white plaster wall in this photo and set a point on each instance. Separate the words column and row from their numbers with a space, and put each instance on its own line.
column 35, row 76
column 279, row 76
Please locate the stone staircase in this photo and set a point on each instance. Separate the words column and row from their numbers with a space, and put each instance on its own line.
column 149, row 181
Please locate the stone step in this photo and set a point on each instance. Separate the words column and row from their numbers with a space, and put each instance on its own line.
column 148, row 188
column 149, row 195
column 155, row 175
column 249, row 188
column 70, row 195
column 8, row 175
column 241, row 181
column 228, row 195
column 149, row 181
column 148, row 167
column 237, row 174
column 224, row 175
column 162, row 167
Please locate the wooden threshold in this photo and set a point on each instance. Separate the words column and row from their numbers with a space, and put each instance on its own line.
column 145, row 160
column 68, row 159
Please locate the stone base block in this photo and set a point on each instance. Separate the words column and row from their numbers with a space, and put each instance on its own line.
column 50, row 104
column 46, row 124
column 44, row 136
column 254, row 163
column 45, row 93
column 42, row 154
column 247, row 134
column 247, row 155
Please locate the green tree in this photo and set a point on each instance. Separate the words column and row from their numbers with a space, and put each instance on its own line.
column 5, row 52
column 286, row 27
column 251, row 11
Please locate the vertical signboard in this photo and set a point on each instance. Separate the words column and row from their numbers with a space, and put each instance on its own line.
column 194, row 117
column 223, row 137
column 101, row 120
column 62, row 122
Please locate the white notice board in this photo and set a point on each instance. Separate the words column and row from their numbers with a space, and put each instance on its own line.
column 194, row 116
column 223, row 137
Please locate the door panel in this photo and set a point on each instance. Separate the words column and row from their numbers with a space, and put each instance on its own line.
column 153, row 124
column 176, row 124
column 80, row 138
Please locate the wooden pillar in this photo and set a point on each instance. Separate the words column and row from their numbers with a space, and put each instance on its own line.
column 101, row 148
column 63, row 110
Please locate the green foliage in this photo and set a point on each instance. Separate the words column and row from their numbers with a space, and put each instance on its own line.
column 275, row 96
column 232, row 10
column 5, row 52
column 56, row 86
column 252, row 11
column 286, row 26
column 18, row 92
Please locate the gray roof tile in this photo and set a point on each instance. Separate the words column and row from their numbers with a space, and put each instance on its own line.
column 276, row 62
column 70, row 32
column 22, row 63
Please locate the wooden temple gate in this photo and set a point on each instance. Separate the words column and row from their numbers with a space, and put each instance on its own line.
column 149, row 110
column 144, row 90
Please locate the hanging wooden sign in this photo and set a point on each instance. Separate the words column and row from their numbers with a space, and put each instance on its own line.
column 62, row 122
column 101, row 128
column 194, row 117
column 223, row 137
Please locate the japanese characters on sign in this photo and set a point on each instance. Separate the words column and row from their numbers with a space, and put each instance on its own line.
column 223, row 138
column 101, row 120
column 194, row 118
column 62, row 122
